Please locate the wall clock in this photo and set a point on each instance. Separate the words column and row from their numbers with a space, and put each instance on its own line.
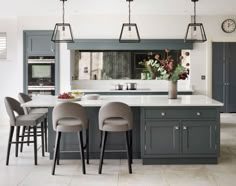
column 228, row 25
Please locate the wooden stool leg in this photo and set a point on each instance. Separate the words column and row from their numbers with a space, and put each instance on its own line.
column 9, row 143
column 17, row 139
column 128, row 151
column 42, row 137
column 82, row 151
column 104, row 138
column 87, row 145
column 22, row 138
column 35, row 145
column 57, row 144
column 46, row 134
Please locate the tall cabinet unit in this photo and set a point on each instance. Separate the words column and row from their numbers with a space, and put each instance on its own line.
column 41, row 63
column 223, row 74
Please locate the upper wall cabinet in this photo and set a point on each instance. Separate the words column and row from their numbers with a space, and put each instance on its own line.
column 39, row 43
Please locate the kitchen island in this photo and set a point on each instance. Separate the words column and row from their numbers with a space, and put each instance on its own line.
column 166, row 131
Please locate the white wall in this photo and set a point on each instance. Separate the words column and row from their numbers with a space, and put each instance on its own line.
column 106, row 26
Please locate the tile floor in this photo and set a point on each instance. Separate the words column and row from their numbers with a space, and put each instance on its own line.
column 22, row 172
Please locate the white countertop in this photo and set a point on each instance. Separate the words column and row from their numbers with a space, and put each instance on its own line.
column 132, row 100
column 138, row 90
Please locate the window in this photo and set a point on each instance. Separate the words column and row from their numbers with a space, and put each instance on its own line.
column 3, row 45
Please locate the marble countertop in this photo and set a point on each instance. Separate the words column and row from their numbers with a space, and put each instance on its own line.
column 131, row 100
column 137, row 90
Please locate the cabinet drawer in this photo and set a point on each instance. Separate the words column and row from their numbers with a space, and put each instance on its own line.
column 179, row 113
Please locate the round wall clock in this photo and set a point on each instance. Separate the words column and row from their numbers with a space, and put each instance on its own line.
column 228, row 25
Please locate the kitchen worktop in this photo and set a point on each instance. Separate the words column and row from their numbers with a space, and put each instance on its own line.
column 132, row 100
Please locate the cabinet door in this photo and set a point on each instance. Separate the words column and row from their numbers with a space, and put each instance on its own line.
column 162, row 137
column 40, row 45
column 198, row 137
column 231, row 78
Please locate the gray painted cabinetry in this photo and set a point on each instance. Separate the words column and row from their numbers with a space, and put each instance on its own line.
column 175, row 135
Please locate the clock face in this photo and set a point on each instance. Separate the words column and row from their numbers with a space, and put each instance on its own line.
column 228, row 26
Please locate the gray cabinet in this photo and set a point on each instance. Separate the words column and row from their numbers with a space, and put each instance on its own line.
column 223, row 74
column 198, row 137
column 162, row 137
column 38, row 43
column 179, row 133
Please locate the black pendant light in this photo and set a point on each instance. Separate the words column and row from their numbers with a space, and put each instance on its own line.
column 195, row 31
column 129, row 31
column 62, row 31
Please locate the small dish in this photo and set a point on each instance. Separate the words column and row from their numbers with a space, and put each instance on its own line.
column 67, row 100
column 91, row 96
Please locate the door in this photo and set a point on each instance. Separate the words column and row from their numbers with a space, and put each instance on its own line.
column 231, row 77
column 162, row 137
column 218, row 73
column 198, row 137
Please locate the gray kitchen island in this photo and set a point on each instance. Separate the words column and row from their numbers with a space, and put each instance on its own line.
column 166, row 131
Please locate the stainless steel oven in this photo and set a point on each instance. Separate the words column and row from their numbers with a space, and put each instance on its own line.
column 41, row 75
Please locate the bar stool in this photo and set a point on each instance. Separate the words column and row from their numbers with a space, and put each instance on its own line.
column 32, row 119
column 116, row 117
column 26, row 98
column 70, row 117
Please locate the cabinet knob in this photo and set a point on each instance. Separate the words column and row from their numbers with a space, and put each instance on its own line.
column 163, row 113
column 176, row 127
column 184, row 128
column 198, row 114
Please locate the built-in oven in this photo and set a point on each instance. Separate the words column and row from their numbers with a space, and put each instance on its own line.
column 41, row 75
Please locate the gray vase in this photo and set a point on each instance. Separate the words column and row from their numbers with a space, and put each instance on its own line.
column 172, row 89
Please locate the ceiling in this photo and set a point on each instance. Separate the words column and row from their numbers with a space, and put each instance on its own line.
column 115, row 7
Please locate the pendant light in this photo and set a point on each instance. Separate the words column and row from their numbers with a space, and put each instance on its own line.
column 195, row 31
column 62, row 31
column 129, row 31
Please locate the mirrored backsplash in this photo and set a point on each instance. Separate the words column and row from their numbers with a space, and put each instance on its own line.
column 112, row 65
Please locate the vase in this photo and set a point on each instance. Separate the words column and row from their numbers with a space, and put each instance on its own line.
column 143, row 75
column 172, row 89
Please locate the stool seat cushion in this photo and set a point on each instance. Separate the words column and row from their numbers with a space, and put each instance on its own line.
column 29, row 119
column 69, row 125
column 115, row 124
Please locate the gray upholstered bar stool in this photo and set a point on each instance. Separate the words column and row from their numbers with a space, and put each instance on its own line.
column 18, row 119
column 116, row 117
column 70, row 117
column 26, row 98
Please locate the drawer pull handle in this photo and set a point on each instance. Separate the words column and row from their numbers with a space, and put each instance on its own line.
column 176, row 128
column 163, row 113
column 198, row 114
column 184, row 127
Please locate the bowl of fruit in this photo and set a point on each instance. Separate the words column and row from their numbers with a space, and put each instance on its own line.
column 77, row 94
column 66, row 97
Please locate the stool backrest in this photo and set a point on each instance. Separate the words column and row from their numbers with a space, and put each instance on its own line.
column 69, row 110
column 12, row 106
column 23, row 99
column 115, row 110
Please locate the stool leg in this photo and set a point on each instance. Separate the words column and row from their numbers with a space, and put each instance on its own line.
column 128, row 151
column 35, row 145
column 22, row 138
column 9, row 143
column 131, row 145
column 42, row 137
column 57, row 144
column 104, row 138
column 100, row 144
column 17, row 139
column 87, row 145
column 29, row 128
column 58, row 155
column 46, row 134
column 82, row 151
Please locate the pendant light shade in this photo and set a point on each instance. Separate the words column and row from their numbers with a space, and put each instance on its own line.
column 129, row 31
column 195, row 31
column 62, row 32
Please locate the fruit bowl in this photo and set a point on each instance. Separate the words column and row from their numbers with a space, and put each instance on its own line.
column 67, row 97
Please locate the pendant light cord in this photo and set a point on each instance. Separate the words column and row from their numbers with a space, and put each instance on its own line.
column 129, row 13
column 194, row 18
column 63, row 12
